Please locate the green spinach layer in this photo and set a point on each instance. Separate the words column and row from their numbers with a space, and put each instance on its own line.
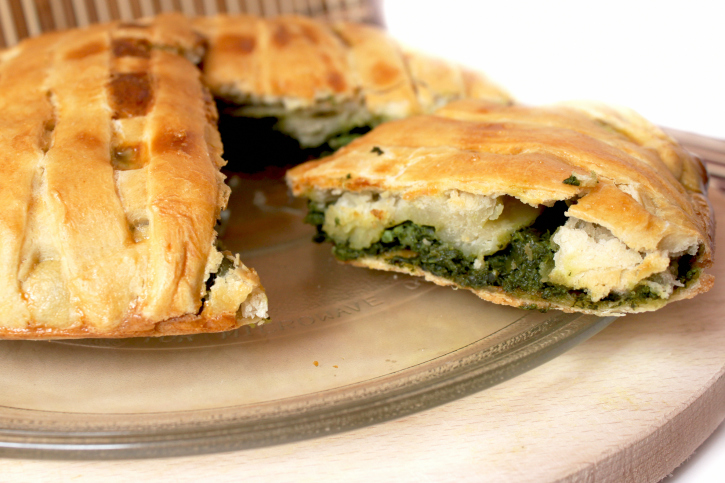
column 519, row 269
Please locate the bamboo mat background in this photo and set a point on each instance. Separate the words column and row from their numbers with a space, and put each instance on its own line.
column 25, row 18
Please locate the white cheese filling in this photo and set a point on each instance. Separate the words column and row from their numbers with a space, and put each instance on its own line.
column 312, row 126
column 476, row 225
column 590, row 258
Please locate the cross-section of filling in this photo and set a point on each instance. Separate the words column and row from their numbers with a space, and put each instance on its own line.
column 478, row 242
column 330, row 125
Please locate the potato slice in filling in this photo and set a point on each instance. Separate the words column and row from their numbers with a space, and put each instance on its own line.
column 475, row 225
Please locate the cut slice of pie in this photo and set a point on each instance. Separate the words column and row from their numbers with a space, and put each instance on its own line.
column 326, row 82
column 577, row 207
column 111, row 189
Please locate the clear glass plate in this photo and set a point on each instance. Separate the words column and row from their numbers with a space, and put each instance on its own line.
column 346, row 347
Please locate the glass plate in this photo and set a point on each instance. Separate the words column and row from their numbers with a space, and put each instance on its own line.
column 346, row 347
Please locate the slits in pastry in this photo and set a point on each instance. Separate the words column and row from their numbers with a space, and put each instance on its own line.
column 326, row 83
column 111, row 189
column 576, row 207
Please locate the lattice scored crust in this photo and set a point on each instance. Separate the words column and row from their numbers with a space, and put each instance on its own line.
column 111, row 188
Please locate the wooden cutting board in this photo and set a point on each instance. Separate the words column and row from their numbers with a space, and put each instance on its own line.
column 630, row 404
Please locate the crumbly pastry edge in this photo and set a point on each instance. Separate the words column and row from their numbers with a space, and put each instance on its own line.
column 137, row 326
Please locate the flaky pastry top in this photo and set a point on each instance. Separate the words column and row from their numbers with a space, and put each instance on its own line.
column 632, row 178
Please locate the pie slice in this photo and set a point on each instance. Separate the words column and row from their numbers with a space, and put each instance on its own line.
column 577, row 207
column 326, row 82
column 111, row 189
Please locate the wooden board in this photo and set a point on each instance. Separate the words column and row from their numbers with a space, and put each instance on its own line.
column 630, row 404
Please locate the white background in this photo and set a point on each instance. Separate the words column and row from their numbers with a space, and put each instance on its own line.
column 664, row 59
column 706, row 465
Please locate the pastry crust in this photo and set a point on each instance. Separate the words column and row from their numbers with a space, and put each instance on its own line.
column 632, row 179
column 111, row 188
column 304, row 64
column 293, row 59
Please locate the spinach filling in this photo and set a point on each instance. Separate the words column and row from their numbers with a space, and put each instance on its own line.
column 225, row 265
column 519, row 269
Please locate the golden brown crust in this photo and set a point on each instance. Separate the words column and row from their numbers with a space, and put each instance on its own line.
column 290, row 58
column 300, row 62
column 380, row 70
column 633, row 179
column 110, row 186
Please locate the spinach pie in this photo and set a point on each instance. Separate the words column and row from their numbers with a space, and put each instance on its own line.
column 578, row 207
